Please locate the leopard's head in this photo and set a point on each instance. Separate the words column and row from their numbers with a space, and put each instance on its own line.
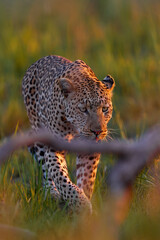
column 87, row 101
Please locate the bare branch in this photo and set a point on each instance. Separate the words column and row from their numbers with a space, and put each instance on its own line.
column 133, row 156
column 78, row 146
column 142, row 153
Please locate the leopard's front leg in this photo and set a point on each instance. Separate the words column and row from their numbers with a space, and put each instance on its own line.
column 86, row 172
column 38, row 151
column 57, row 171
column 56, row 179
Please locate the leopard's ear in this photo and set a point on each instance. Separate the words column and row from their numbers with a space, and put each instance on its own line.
column 109, row 82
column 66, row 86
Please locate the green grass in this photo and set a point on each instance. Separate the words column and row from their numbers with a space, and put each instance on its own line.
column 23, row 203
column 117, row 37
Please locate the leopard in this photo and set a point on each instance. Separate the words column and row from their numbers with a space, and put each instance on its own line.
column 67, row 99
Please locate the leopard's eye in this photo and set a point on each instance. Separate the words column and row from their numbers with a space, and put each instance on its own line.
column 105, row 109
column 83, row 108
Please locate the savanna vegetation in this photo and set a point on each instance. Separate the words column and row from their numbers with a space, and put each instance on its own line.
column 117, row 37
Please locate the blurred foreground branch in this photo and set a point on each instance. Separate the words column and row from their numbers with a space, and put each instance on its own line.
column 132, row 156
column 11, row 232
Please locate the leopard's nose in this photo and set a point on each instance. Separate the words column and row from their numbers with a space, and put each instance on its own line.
column 96, row 133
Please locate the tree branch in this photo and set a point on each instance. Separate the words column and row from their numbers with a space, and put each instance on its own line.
column 132, row 156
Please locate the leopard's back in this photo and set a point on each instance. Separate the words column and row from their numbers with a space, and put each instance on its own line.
column 38, row 83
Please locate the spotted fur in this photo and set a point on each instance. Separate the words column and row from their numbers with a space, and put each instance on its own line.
column 67, row 99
